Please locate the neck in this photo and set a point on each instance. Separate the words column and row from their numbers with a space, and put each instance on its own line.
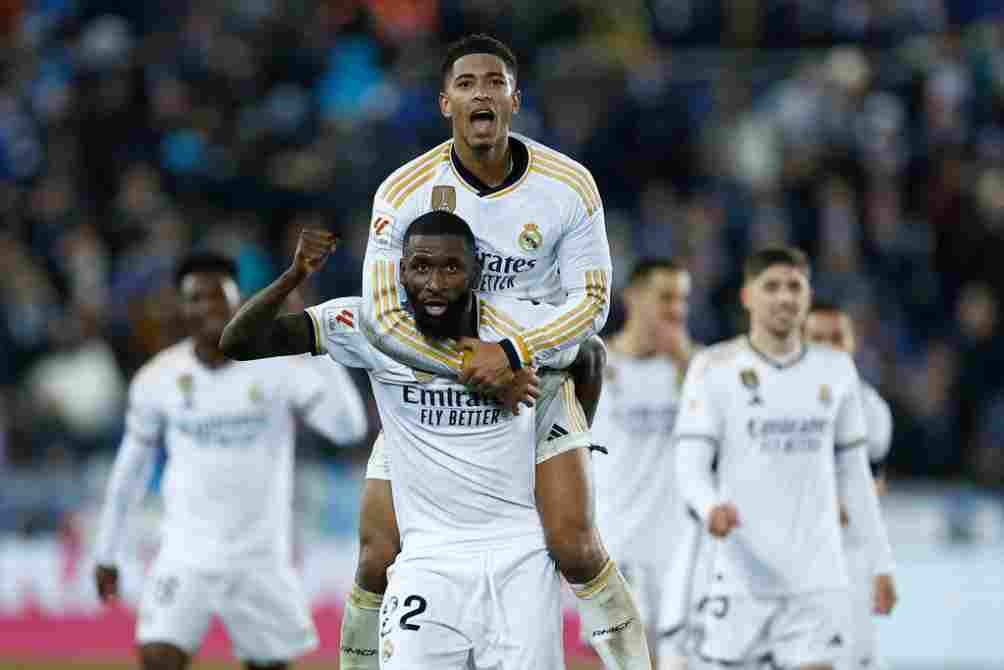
column 774, row 346
column 210, row 355
column 634, row 341
column 490, row 165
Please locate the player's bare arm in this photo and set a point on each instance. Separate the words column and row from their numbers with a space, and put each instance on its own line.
column 258, row 330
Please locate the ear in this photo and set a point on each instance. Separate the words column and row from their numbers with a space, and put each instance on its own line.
column 401, row 268
column 744, row 296
column 444, row 105
column 517, row 101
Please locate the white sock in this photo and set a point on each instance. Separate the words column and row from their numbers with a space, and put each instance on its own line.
column 670, row 659
column 612, row 622
column 358, row 648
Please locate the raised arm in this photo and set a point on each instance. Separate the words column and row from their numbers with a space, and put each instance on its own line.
column 257, row 330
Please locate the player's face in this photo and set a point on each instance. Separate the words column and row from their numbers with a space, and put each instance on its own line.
column 480, row 98
column 662, row 299
column 208, row 302
column 438, row 274
column 832, row 328
column 778, row 299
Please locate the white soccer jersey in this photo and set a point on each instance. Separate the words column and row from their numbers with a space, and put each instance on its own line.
column 229, row 432
column 776, row 428
column 878, row 418
column 462, row 467
column 638, row 509
column 541, row 237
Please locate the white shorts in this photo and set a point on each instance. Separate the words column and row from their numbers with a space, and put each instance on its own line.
column 863, row 649
column 263, row 609
column 789, row 631
column 561, row 425
column 470, row 612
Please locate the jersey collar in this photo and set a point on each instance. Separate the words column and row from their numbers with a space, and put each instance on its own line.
column 773, row 362
column 520, row 164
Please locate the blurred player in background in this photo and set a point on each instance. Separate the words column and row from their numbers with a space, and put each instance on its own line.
column 642, row 519
column 228, row 429
column 474, row 582
column 539, row 223
column 784, row 420
column 828, row 324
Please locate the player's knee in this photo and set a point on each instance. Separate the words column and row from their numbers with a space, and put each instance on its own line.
column 160, row 656
column 578, row 551
column 377, row 550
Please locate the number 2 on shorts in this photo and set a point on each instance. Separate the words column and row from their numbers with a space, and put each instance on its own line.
column 419, row 603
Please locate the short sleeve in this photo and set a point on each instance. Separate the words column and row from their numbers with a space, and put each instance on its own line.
column 337, row 332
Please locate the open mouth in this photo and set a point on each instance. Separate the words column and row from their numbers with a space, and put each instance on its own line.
column 435, row 308
column 482, row 119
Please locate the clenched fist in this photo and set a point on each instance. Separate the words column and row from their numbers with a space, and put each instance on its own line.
column 312, row 251
column 722, row 519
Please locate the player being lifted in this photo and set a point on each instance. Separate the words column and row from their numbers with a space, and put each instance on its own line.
column 228, row 429
column 473, row 584
column 538, row 220
column 641, row 517
column 828, row 324
column 784, row 421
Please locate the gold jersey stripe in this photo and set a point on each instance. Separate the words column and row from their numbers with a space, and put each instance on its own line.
column 408, row 185
column 568, row 181
column 575, row 414
column 580, row 177
column 588, row 308
column 423, row 178
column 582, row 174
column 416, row 165
column 389, row 315
column 498, row 315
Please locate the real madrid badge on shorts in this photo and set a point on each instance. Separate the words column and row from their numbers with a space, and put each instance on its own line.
column 530, row 238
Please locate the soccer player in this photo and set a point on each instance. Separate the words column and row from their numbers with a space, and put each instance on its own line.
column 228, row 429
column 828, row 324
column 473, row 583
column 538, row 220
column 640, row 515
column 784, row 421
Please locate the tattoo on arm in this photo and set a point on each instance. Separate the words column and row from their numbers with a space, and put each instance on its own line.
column 258, row 331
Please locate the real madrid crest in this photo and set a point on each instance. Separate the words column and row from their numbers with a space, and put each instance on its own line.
column 443, row 197
column 825, row 395
column 530, row 238
column 751, row 382
column 255, row 394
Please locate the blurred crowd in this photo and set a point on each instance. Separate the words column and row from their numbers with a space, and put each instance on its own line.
column 868, row 132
